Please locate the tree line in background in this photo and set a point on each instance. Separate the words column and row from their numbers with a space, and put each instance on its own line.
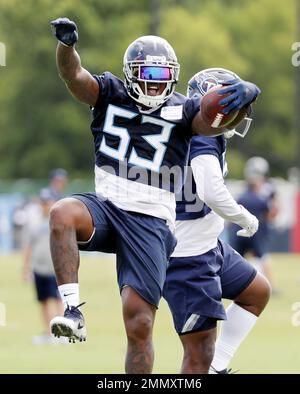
column 41, row 127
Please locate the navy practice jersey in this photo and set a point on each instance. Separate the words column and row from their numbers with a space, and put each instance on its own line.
column 138, row 145
column 259, row 204
column 188, row 204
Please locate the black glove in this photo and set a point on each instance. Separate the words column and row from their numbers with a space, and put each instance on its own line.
column 65, row 31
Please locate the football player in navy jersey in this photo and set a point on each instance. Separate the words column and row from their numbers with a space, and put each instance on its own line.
column 204, row 269
column 142, row 130
column 259, row 197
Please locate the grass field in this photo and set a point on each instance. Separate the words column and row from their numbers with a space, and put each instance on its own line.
column 272, row 347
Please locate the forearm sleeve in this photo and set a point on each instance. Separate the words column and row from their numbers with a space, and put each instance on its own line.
column 212, row 189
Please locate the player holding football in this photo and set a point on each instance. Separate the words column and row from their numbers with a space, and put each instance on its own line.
column 204, row 269
column 142, row 130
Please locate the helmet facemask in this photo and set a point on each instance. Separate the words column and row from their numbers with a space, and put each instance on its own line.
column 241, row 130
column 150, row 59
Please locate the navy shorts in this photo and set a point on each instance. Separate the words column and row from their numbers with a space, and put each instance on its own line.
column 255, row 245
column 143, row 245
column 46, row 287
column 195, row 286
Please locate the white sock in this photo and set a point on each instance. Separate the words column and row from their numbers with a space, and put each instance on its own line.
column 233, row 331
column 69, row 294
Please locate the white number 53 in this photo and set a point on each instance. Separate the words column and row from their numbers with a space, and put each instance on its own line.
column 157, row 141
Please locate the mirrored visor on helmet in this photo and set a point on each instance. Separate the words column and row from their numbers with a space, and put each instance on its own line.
column 155, row 73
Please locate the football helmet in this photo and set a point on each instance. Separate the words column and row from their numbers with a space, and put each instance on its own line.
column 256, row 168
column 206, row 79
column 150, row 59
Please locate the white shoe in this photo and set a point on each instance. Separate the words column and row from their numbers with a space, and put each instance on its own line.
column 71, row 325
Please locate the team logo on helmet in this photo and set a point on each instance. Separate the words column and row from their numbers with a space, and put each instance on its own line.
column 205, row 82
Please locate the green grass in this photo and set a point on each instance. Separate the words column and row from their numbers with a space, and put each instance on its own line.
column 272, row 347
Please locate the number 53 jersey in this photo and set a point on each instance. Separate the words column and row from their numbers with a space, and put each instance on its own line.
column 140, row 156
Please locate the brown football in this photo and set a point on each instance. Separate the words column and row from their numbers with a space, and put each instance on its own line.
column 212, row 110
column 239, row 117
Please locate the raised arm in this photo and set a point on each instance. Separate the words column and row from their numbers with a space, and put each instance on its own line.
column 79, row 81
